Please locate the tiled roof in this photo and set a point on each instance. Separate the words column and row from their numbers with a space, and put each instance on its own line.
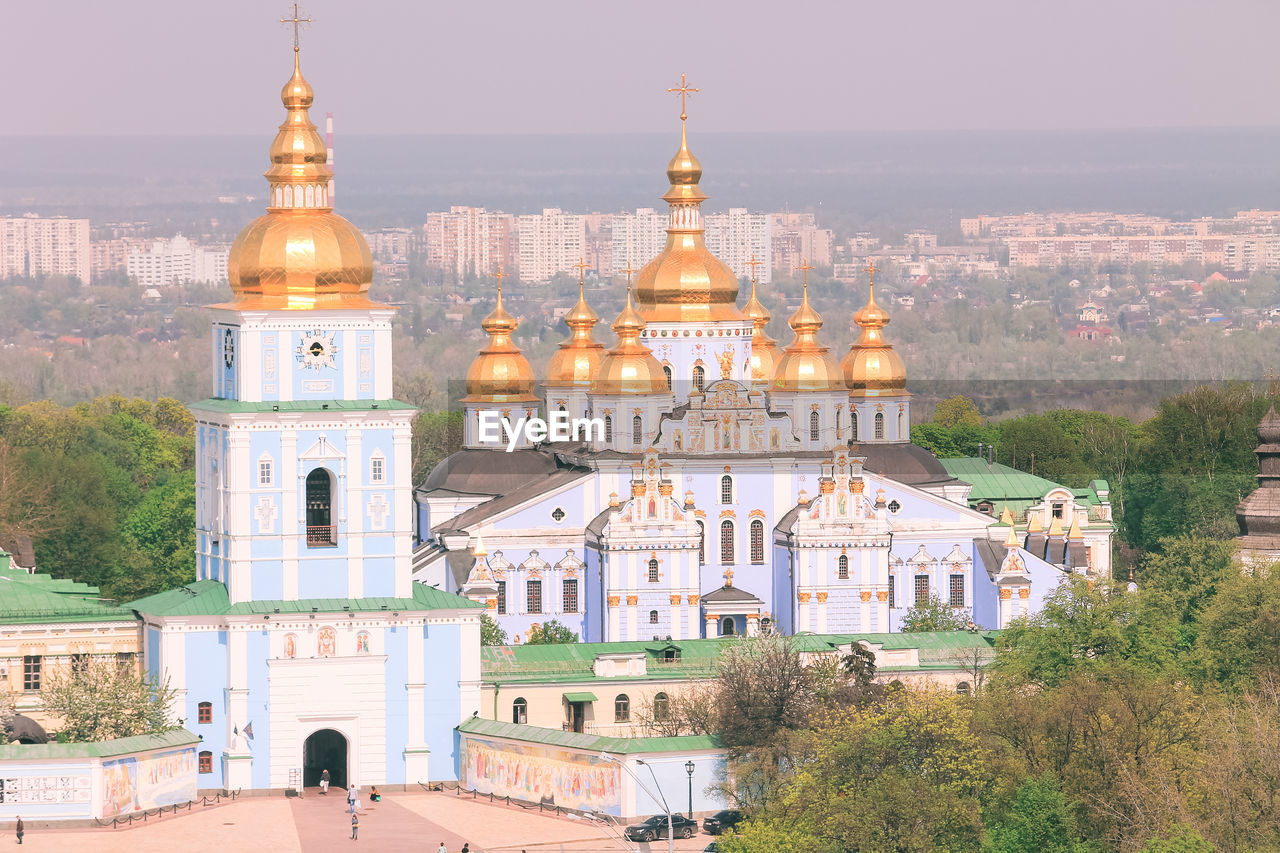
column 97, row 749
column 209, row 598
column 589, row 743
column 42, row 598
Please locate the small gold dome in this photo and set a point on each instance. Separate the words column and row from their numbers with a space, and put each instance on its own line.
column 685, row 281
column 872, row 368
column 578, row 359
column 300, row 254
column 629, row 368
column 806, row 365
column 764, row 349
column 500, row 373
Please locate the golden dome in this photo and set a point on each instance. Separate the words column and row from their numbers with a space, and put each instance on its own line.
column 764, row 349
column 500, row 373
column 629, row 368
column 578, row 359
column 685, row 281
column 806, row 365
column 872, row 368
column 300, row 254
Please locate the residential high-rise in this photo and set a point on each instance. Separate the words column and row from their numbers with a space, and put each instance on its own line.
column 550, row 242
column 176, row 261
column 637, row 238
column 470, row 241
column 35, row 245
column 738, row 236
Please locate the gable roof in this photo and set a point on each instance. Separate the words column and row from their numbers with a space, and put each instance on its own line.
column 43, row 598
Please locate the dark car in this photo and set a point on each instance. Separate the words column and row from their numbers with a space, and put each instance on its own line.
column 656, row 827
column 713, row 847
column 722, row 820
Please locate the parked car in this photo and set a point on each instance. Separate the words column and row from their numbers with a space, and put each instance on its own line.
column 656, row 827
column 722, row 820
column 713, row 847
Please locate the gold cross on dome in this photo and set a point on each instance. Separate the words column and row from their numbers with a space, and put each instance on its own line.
column 728, row 577
column 871, row 270
column 685, row 90
column 582, row 266
column 628, row 271
column 500, row 275
column 753, row 263
column 804, row 268
column 298, row 23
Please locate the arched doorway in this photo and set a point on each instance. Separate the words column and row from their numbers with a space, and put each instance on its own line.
column 728, row 627
column 325, row 750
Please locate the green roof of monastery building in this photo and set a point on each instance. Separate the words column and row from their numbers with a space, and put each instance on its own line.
column 209, row 598
column 41, row 598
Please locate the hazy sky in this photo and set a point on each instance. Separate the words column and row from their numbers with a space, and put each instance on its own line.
column 408, row 66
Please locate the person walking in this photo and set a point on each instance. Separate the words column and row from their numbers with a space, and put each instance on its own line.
column 466, row 847
column 21, row 829
column 355, row 826
column 442, row 848
column 324, row 782
column 351, row 799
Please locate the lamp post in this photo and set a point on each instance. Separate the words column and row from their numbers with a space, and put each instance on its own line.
column 671, row 834
column 689, row 767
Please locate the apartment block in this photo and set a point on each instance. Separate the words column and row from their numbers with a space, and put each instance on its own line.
column 551, row 242
column 471, row 241
column 33, row 245
column 177, row 261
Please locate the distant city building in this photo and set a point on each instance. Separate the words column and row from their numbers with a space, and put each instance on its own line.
column 470, row 241
column 110, row 255
column 738, row 236
column 551, row 242
column 177, row 261
column 34, row 245
column 796, row 239
column 637, row 238
column 1239, row 253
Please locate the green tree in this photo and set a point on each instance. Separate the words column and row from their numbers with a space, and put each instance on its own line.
column 491, row 633
column 1039, row 818
column 934, row 614
column 160, row 537
column 550, row 632
column 1181, row 839
column 957, row 411
column 1239, row 632
column 436, row 435
column 102, row 700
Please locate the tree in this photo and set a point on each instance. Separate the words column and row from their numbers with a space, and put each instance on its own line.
column 436, row 435
column 1038, row 818
column 934, row 615
column 550, row 632
column 957, row 411
column 762, row 687
column 103, row 700
column 1239, row 634
column 491, row 633
column 1181, row 839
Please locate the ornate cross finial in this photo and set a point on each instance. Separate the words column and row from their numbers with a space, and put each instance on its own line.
column 753, row 263
column 871, row 270
column 804, row 268
column 1273, row 384
column 728, row 577
column 500, row 275
column 298, row 23
column 582, row 266
column 685, row 90
column 628, row 272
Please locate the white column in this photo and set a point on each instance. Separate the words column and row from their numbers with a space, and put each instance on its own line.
column 402, row 507
column 291, row 522
column 354, row 505
column 237, row 760
column 713, row 626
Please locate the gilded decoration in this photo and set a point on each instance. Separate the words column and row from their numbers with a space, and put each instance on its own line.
column 613, row 601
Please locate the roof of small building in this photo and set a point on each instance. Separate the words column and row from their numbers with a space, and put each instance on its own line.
column 217, row 404
column 209, row 598
column 589, row 743
column 98, row 749
column 42, row 598
column 1004, row 486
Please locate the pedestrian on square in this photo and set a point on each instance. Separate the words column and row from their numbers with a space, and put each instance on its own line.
column 466, row 847
column 442, row 848
column 21, row 829
column 324, row 782
column 351, row 799
column 355, row 826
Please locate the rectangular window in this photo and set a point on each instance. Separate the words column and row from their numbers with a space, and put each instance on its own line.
column 502, row 597
column 79, row 662
column 571, row 596
column 206, row 762
column 377, row 469
column 957, row 591
column 922, row 589
column 204, row 713
column 31, row 666
column 892, row 602
column 533, row 596
column 264, row 472
column 124, row 661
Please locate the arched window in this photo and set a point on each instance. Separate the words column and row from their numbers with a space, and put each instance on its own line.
column 699, row 377
column 362, row 643
column 327, row 642
column 562, row 408
column 757, row 540
column 653, row 617
column 726, row 541
column 520, row 711
column 815, row 430
column 653, row 571
column 727, row 627
column 205, row 765
column 666, row 371
column 661, row 707
column 962, row 688
column 608, row 429
column 839, row 424
column 702, row 542
column 901, row 431
column 726, row 489
column 853, row 424
column 204, row 713
column 290, row 646
column 320, row 530
column 879, row 424
column 637, row 430
column 842, row 567
column 621, row 708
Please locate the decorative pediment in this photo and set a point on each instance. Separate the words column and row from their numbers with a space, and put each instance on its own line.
column 322, row 451
column 570, row 564
column 957, row 556
column 921, row 557
column 534, row 565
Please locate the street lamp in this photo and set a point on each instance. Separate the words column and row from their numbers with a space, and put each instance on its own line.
column 671, row 833
column 689, row 767
column 608, row 828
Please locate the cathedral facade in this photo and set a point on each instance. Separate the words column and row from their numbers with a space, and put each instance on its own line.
column 304, row 645
column 733, row 486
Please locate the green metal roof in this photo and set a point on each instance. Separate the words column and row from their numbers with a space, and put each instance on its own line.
column 998, row 482
column 42, row 598
column 589, row 743
column 238, row 407
column 574, row 663
column 97, row 749
column 582, row 696
column 209, row 598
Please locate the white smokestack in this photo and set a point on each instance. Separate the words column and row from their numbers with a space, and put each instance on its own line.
column 328, row 144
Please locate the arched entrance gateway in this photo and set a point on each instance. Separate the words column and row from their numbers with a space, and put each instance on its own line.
column 325, row 750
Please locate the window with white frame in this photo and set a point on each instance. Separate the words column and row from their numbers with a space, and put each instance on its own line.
column 266, row 473
column 377, row 468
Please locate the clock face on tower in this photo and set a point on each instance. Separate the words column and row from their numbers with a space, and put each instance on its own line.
column 317, row 350
column 228, row 348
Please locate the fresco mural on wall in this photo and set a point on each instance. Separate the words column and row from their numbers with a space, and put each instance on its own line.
column 133, row 784
column 541, row 774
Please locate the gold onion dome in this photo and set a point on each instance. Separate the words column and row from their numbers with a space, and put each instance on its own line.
column 806, row 365
column 300, row 254
column 500, row 373
column 764, row 349
column 629, row 368
column 871, row 367
column 685, row 281
column 578, row 359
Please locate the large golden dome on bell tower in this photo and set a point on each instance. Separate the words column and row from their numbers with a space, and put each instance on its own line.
column 300, row 254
